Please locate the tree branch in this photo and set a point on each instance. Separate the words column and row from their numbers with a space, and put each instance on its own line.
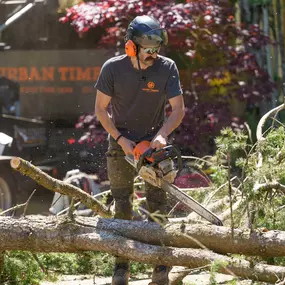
column 56, row 185
column 269, row 186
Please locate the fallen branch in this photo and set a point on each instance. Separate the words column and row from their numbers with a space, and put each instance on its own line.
column 26, row 204
column 19, row 206
column 59, row 186
column 269, row 186
column 48, row 234
column 177, row 274
column 259, row 133
column 197, row 189
column 216, row 238
column 227, row 214
column 264, row 118
column 214, row 207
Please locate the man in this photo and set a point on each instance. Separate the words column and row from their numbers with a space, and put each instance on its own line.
column 137, row 86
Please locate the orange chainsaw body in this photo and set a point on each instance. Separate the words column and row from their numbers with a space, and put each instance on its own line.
column 140, row 149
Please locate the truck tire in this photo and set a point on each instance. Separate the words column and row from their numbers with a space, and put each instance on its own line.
column 6, row 187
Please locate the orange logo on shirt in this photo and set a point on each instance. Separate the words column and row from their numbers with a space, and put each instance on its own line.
column 150, row 85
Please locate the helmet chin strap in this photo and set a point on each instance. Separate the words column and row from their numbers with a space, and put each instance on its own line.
column 139, row 67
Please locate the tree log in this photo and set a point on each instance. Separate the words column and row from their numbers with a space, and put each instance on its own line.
column 59, row 186
column 216, row 238
column 50, row 234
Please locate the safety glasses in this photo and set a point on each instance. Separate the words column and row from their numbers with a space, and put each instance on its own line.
column 151, row 50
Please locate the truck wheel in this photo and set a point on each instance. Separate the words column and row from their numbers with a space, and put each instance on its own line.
column 6, row 198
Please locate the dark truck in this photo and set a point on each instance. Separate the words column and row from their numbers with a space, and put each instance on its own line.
column 42, row 95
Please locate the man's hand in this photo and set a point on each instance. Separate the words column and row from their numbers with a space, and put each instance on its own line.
column 159, row 141
column 127, row 145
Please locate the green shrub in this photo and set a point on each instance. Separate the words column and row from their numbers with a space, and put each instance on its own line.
column 21, row 267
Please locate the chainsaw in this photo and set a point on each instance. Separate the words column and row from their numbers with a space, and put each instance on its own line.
column 157, row 168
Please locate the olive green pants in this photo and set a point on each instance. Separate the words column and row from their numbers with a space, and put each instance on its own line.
column 121, row 175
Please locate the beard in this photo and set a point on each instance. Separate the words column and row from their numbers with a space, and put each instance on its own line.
column 149, row 60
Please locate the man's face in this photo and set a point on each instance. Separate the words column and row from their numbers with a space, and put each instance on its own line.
column 148, row 54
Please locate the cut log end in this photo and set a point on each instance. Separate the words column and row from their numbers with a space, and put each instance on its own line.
column 15, row 162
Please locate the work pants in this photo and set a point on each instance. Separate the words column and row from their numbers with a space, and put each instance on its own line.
column 121, row 175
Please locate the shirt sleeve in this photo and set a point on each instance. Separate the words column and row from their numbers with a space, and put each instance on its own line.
column 105, row 81
column 173, row 86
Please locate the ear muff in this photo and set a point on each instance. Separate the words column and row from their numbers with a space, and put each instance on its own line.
column 130, row 48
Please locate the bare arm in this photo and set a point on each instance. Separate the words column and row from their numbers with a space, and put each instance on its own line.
column 176, row 116
column 173, row 121
column 101, row 107
column 101, row 111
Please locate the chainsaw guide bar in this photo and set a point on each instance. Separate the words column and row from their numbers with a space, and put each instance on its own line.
column 190, row 203
column 157, row 168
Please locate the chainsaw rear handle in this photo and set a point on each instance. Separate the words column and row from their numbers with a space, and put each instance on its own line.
column 156, row 156
column 171, row 152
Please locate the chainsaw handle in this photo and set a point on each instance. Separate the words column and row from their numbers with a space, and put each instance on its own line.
column 177, row 155
column 172, row 151
column 148, row 154
column 145, row 155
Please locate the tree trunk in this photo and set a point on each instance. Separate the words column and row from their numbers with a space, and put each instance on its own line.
column 216, row 238
column 50, row 234
column 24, row 230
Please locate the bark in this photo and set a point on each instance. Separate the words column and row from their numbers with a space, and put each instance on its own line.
column 56, row 185
column 50, row 234
column 24, row 232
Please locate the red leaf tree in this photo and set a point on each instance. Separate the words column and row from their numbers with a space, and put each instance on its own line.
column 220, row 77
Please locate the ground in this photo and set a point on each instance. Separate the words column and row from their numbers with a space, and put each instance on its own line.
column 195, row 279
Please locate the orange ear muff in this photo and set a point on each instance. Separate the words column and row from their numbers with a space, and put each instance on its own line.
column 130, row 48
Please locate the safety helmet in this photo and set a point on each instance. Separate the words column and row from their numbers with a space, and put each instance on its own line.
column 146, row 31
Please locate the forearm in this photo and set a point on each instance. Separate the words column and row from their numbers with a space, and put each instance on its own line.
column 173, row 121
column 107, row 123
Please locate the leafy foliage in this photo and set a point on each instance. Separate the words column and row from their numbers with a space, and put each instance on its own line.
column 266, row 203
column 22, row 269
column 220, row 77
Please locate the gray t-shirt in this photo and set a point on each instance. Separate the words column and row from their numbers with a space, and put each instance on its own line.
column 138, row 97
